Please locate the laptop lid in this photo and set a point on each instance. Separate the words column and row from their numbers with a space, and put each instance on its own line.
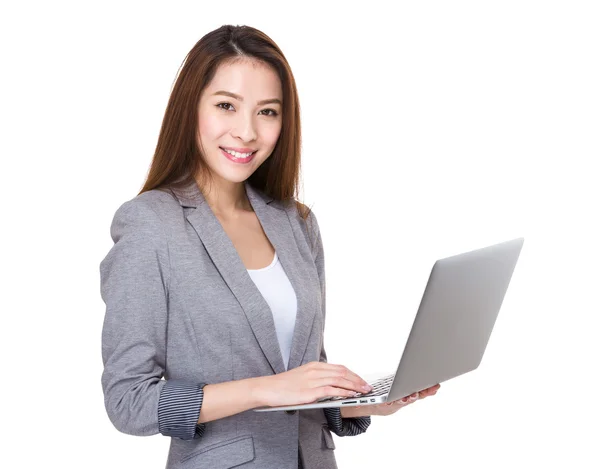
column 456, row 316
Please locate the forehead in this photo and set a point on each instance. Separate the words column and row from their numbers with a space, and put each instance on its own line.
column 250, row 78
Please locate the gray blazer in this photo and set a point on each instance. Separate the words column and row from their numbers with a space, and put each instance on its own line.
column 180, row 305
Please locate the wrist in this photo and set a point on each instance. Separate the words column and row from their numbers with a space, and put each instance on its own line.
column 257, row 391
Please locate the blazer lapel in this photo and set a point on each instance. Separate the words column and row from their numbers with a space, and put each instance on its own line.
column 275, row 220
column 276, row 225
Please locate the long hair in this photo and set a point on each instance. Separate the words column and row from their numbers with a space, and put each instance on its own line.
column 178, row 158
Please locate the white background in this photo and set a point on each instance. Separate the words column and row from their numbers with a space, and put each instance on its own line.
column 441, row 126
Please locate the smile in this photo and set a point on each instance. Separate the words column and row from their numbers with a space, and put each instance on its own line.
column 238, row 157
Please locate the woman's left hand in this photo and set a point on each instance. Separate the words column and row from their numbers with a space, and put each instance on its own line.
column 389, row 408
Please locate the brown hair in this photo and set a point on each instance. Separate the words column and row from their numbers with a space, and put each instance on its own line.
column 177, row 158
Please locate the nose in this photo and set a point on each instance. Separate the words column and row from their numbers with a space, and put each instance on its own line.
column 244, row 128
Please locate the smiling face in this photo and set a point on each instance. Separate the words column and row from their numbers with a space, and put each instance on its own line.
column 240, row 110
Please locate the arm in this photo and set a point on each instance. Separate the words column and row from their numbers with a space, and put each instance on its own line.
column 343, row 422
column 230, row 398
column 135, row 277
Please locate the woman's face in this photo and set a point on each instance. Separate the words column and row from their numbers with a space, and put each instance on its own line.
column 240, row 110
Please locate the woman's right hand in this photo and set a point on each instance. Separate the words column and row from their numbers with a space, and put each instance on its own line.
column 311, row 382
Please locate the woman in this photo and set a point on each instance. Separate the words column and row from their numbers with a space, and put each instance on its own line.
column 216, row 279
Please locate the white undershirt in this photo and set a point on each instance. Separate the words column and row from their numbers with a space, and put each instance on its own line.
column 279, row 294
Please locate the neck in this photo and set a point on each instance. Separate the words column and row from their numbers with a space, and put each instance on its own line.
column 225, row 198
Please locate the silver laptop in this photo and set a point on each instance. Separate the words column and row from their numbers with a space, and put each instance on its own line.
column 451, row 329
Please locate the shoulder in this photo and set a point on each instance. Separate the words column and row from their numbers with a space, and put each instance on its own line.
column 307, row 215
column 148, row 214
column 160, row 201
column 305, row 218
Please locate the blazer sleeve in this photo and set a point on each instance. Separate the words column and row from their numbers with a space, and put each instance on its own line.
column 134, row 280
column 340, row 426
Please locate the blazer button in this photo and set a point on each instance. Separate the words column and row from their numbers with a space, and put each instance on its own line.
column 291, row 412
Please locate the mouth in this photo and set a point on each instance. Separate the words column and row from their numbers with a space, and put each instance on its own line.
column 238, row 157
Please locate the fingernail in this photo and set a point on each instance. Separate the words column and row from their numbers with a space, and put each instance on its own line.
column 366, row 387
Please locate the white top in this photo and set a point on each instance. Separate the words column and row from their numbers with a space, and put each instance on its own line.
column 279, row 294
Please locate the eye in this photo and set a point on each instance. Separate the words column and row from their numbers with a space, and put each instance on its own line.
column 271, row 110
column 226, row 104
column 274, row 113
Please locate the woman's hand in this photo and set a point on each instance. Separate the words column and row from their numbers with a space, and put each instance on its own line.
column 388, row 408
column 308, row 383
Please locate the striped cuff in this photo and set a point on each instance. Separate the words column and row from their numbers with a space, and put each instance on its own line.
column 345, row 426
column 179, row 407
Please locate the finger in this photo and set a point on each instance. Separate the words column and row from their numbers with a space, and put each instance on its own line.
column 353, row 381
column 351, row 376
column 340, row 370
column 397, row 402
column 428, row 391
column 408, row 399
column 339, row 382
column 331, row 391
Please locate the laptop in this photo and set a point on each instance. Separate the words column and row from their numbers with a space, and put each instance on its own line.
column 451, row 329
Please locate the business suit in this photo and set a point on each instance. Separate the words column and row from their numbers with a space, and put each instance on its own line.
column 180, row 304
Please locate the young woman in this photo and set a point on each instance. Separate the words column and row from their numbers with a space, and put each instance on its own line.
column 216, row 280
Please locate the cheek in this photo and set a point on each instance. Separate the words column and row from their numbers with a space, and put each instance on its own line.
column 271, row 134
column 211, row 127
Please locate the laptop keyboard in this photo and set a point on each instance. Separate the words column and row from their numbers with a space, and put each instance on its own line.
column 380, row 386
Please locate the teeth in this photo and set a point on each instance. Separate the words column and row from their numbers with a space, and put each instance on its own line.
column 238, row 155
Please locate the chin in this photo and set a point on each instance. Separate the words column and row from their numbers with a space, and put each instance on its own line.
column 240, row 176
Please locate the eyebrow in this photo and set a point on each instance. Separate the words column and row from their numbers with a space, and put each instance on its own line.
column 240, row 98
